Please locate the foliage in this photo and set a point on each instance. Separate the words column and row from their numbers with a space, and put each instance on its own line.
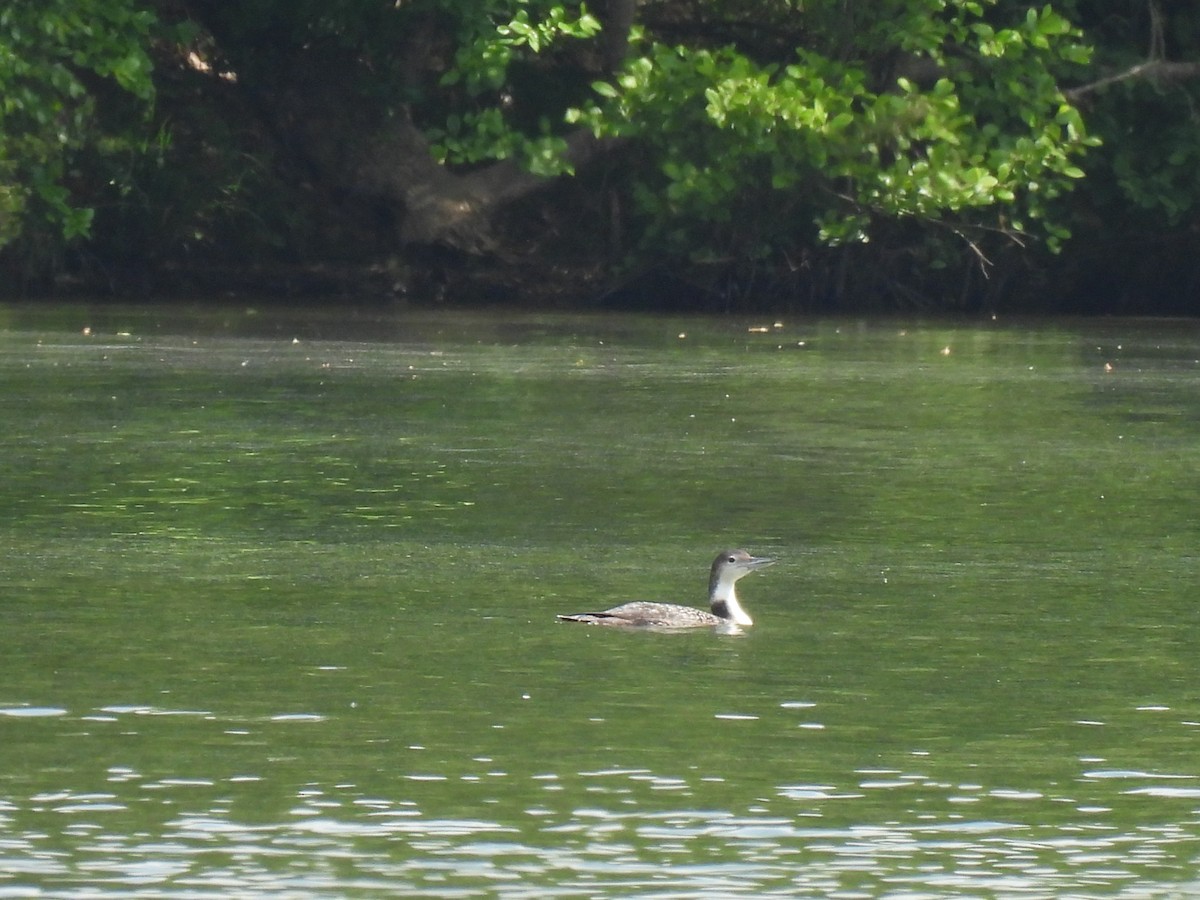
column 904, row 137
column 823, row 123
column 72, row 80
column 1148, row 124
column 493, row 47
column 1135, row 247
column 754, row 158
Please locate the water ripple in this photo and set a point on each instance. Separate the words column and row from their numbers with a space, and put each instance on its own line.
column 336, row 840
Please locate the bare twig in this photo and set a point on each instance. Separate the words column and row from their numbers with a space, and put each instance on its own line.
column 1154, row 70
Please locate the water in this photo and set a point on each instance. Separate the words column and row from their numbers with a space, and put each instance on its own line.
column 279, row 594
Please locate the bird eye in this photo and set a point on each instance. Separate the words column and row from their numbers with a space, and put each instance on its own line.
column 733, row 559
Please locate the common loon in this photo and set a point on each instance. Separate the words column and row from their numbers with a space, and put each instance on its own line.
column 727, row 568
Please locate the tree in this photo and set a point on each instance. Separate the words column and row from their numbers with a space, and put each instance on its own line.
column 802, row 152
column 836, row 124
column 72, row 82
column 1137, row 237
column 750, row 132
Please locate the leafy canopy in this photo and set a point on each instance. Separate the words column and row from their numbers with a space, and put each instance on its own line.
column 814, row 119
column 749, row 129
column 58, row 61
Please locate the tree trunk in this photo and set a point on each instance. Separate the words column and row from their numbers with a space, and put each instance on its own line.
column 438, row 206
column 357, row 146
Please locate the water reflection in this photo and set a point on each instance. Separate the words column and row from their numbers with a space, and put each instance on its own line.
column 336, row 839
column 279, row 614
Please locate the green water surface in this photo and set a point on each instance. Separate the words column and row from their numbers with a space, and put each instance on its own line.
column 279, row 590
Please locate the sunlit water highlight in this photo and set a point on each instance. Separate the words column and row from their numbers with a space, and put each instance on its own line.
column 279, row 607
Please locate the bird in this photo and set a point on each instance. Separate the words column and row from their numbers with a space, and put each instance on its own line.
column 727, row 568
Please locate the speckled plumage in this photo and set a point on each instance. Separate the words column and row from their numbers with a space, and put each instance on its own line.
column 641, row 613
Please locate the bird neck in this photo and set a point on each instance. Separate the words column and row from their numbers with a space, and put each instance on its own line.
column 722, row 598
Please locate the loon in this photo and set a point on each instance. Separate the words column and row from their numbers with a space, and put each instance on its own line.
column 727, row 568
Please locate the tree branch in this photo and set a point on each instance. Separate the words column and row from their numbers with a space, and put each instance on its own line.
column 1151, row 70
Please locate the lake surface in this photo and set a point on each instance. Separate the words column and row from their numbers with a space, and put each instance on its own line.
column 279, row 593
